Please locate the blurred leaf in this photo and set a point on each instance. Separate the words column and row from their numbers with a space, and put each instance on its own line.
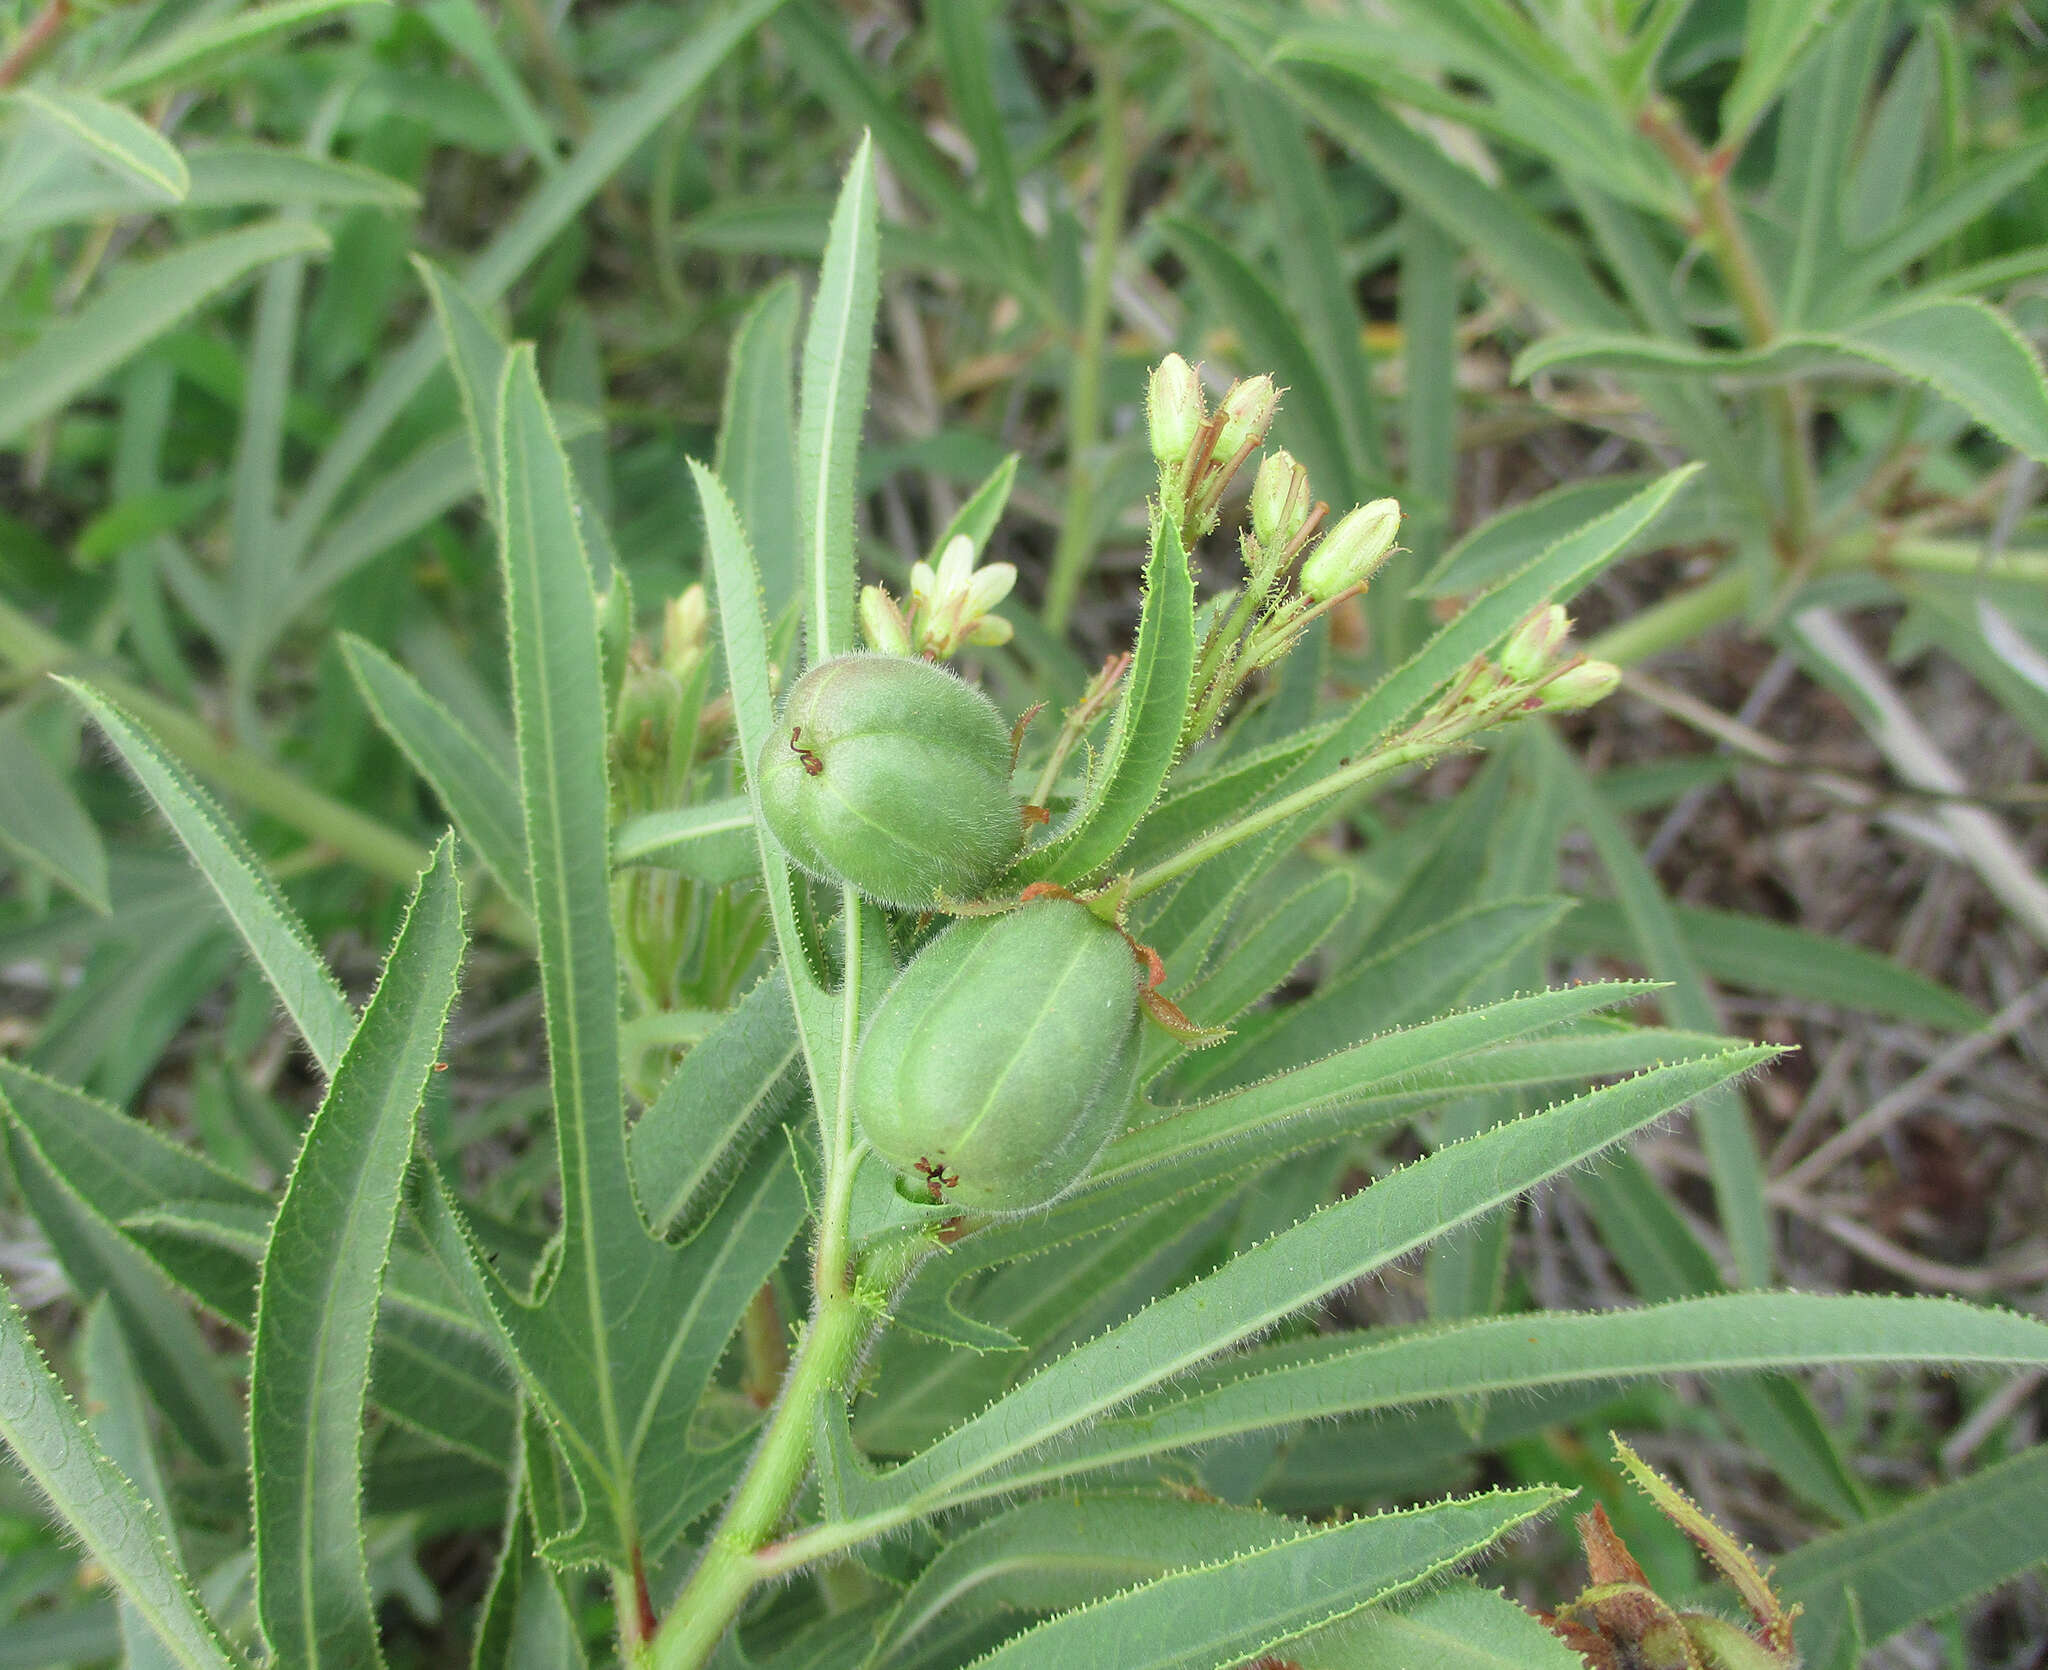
column 1770, row 957
column 117, row 137
column 41, row 821
column 1775, row 33
column 202, row 46
column 147, row 299
column 1961, row 349
column 95, row 1502
column 712, row 842
column 267, row 923
column 1936, row 1552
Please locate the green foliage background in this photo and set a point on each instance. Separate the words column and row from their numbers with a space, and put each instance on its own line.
column 370, row 377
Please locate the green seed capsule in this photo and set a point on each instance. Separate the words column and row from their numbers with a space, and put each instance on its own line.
column 892, row 774
column 1004, row 1058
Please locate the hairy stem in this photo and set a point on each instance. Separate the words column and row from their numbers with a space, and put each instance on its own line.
column 729, row 1570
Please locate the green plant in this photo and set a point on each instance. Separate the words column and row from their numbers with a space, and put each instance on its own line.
column 632, row 1446
column 700, row 1359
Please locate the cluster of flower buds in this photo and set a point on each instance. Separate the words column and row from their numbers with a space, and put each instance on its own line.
column 1199, row 452
column 950, row 606
column 1264, row 619
column 660, row 695
column 1535, row 674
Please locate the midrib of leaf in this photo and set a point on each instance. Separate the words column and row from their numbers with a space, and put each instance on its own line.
column 555, row 912
column 359, row 1140
column 850, row 258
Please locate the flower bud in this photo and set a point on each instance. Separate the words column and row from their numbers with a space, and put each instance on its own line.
column 1003, row 1058
column 1174, row 409
column 1580, row 686
column 1352, row 550
column 1247, row 413
column 891, row 774
column 1280, row 501
column 882, row 623
column 685, row 631
column 1532, row 648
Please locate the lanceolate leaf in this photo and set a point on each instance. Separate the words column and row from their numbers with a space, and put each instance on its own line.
column 1959, row 347
column 96, row 1502
column 1344, row 1241
column 1225, row 1612
column 42, row 822
column 116, row 136
column 1724, row 1334
column 1066, row 1551
column 713, row 842
column 200, row 46
column 1146, row 740
column 151, row 297
column 1461, row 1627
column 317, row 1302
column 746, row 660
column 1925, row 1558
column 1408, row 981
column 120, row 1422
column 1766, row 956
column 470, row 780
column 267, row 924
column 835, row 397
column 738, row 1076
column 756, row 456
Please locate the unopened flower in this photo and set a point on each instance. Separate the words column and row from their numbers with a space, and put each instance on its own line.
column 1247, row 413
column 1280, row 501
column 1580, row 686
column 882, row 623
column 1533, row 647
column 1174, row 409
column 685, row 631
column 1352, row 551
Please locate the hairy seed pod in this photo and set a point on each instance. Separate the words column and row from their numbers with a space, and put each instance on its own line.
column 892, row 774
column 1004, row 1058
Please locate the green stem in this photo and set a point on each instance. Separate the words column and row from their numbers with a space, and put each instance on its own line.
column 1721, row 227
column 377, row 847
column 1084, row 389
column 832, row 1272
column 730, row 1568
column 1684, row 616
